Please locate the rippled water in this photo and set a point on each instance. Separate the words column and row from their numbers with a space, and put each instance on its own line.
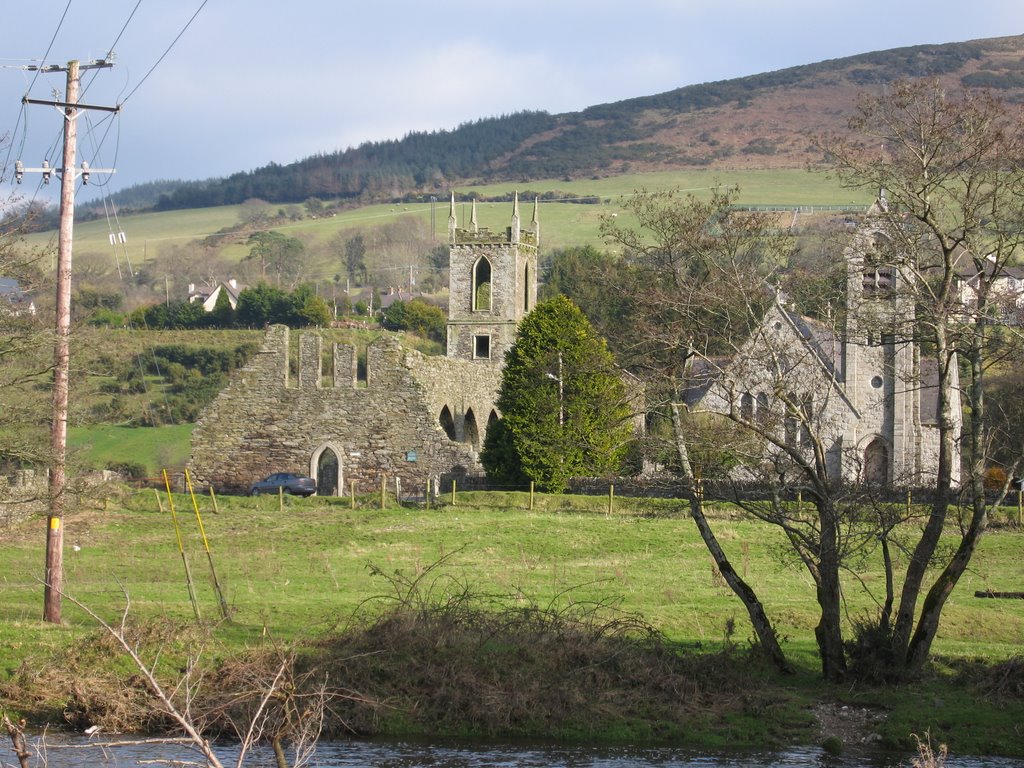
column 62, row 751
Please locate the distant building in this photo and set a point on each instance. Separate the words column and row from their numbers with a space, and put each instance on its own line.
column 14, row 299
column 208, row 296
column 1006, row 290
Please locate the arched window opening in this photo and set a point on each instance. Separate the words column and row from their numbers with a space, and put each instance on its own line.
column 761, row 414
column 470, row 431
column 482, row 285
column 328, row 473
column 747, row 407
column 447, row 422
column 876, row 462
column 792, row 423
column 492, row 418
column 526, row 288
column 806, row 418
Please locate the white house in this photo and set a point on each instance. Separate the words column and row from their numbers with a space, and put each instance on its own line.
column 208, row 297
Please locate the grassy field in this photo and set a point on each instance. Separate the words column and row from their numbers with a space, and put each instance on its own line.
column 563, row 224
column 303, row 571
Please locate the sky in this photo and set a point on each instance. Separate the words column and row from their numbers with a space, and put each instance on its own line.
column 211, row 88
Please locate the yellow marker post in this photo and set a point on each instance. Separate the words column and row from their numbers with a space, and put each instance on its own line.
column 181, row 548
column 206, row 545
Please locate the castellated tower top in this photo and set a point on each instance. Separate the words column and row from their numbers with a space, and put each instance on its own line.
column 492, row 284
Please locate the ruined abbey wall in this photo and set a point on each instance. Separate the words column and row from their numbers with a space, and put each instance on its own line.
column 267, row 420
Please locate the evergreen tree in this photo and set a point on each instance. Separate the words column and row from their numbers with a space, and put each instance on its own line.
column 563, row 402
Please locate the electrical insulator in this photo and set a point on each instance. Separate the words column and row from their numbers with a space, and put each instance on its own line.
column 47, row 171
column 85, row 173
column 19, row 170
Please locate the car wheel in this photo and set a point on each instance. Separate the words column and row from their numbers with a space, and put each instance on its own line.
column 254, row 492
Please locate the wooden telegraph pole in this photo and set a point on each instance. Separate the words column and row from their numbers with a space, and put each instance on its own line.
column 62, row 329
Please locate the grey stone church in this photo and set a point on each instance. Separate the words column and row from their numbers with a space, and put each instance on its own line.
column 861, row 386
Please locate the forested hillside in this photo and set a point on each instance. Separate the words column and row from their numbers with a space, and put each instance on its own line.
column 758, row 121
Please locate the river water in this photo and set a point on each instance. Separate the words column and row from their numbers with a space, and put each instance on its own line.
column 64, row 751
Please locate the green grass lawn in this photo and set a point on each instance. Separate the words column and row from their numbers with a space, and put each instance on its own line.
column 155, row 448
column 304, row 571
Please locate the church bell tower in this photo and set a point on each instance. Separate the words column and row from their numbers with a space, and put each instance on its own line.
column 492, row 284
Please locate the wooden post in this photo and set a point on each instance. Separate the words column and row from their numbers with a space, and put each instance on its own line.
column 910, row 501
column 159, row 504
column 611, row 497
column 383, row 490
column 531, row 495
column 426, row 498
column 213, row 498
column 280, row 498
column 1020, row 505
column 799, row 502
column 352, row 492
column 453, row 491
column 54, row 579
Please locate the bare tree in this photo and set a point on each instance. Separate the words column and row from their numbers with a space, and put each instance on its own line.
column 710, row 335
column 692, row 280
column 951, row 170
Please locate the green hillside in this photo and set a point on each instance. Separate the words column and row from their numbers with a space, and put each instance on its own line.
column 760, row 121
column 152, row 235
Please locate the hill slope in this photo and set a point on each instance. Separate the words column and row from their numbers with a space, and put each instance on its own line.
column 759, row 121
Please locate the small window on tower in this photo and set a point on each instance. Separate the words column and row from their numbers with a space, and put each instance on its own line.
column 482, row 347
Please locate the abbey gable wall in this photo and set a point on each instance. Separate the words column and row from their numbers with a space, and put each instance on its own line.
column 415, row 417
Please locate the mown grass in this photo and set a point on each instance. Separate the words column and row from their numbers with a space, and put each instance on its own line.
column 304, row 572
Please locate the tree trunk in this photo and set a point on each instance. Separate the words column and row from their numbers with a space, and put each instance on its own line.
column 829, row 632
column 928, row 624
column 766, row 636
column 929, row 541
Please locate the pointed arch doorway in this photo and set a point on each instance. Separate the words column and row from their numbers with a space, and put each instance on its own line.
column 326, row 468
column 876, row 462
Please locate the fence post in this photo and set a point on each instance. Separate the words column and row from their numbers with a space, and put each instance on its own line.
column 352, row 492
column 910, row 501
column 453, row 491
column 280, row 498
column 383, row 490
column 213, row 498
column 611, row 496
column 1020, row 504
column 531, row 495
column 159, row 503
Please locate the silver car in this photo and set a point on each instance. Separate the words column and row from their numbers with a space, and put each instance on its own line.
column 290, row 482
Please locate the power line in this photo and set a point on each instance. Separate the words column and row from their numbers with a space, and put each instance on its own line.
column 164, row 54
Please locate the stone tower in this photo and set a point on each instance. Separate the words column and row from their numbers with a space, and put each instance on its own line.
column 492, row 285
column 881, row 363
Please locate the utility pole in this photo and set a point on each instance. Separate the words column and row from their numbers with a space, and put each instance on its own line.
column 61, row 347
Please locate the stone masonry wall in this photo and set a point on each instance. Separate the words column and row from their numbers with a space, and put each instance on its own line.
column 264, row 422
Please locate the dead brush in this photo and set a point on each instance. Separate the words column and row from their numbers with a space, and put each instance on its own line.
column 451, row 661
column 87, row 685
column 1005, row 679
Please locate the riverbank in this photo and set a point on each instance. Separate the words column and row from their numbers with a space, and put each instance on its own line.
column 484, row 620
